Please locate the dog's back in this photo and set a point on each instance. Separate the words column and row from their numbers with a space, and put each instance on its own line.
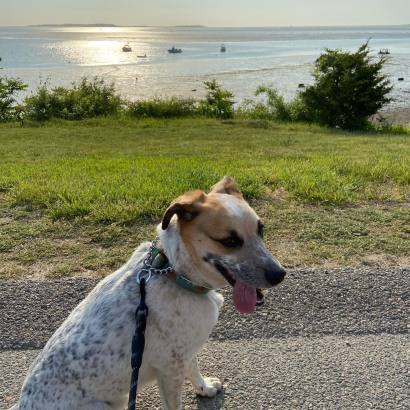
column 87, row 360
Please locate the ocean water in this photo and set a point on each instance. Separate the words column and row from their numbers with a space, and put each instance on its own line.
column 277, row 57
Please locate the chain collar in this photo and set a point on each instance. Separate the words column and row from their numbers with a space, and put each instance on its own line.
column 149, row 268
column 156, row 263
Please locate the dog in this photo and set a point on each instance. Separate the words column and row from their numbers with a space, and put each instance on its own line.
column 211, row 240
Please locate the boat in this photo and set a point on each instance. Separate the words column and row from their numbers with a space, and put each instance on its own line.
column 174, row 50
column 384, row 51
column 126, row 48
column 142, row 56
column 223, row 48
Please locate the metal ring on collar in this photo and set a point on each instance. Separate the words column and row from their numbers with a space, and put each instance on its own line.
column 144, row 274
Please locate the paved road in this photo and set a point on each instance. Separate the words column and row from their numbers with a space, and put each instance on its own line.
column 327, row 339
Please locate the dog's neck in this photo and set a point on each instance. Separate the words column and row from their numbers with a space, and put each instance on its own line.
column 178, row 255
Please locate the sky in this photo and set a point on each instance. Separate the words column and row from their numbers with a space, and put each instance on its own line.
column 251, row 13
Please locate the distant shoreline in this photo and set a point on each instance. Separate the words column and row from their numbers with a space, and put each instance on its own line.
column 77, row 25
column 108, row 25
column 104, row 25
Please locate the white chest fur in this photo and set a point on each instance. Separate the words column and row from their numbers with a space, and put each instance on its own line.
column 179, row 321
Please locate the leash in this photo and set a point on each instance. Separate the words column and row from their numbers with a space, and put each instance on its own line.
column 155, row 263
column 138, row 340
column 138, row 345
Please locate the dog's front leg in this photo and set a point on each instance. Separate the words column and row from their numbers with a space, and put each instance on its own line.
column 204, row 386
column 170, row 387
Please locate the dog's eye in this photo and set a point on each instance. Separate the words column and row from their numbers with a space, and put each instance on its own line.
column 232, row 241
column 260, row 229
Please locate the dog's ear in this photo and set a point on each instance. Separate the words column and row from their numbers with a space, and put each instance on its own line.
column 227, row 185
column 187, row 207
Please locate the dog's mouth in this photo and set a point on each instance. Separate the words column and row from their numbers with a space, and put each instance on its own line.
column 245, row 297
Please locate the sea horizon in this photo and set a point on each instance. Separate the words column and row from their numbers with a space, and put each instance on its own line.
column 202, row 25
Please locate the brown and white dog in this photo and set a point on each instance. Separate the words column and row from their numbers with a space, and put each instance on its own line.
column 211, row 239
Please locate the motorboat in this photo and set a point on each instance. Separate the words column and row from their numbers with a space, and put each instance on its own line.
column 142, row 56
column 223, row 48
column 126, row 48
column 384, row 51
column 174, row 50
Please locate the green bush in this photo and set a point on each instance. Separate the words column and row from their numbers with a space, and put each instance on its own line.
column 87, row 99
column 9, row 109
column 273, row 108
column 249, row 109
column 275, row 104
column 163, row 108
column 218, row 102
column 348, row 89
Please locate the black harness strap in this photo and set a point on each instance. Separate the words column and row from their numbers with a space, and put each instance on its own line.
column 138, row 344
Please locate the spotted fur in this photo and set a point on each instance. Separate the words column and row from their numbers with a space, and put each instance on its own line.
column 86, row 363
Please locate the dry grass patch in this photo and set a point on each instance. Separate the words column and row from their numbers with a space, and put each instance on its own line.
column 31, row 245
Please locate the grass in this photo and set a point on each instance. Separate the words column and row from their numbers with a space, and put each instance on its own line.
column 76, row 197
column 164, row 108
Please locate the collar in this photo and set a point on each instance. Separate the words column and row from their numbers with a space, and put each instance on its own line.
column 160, row 261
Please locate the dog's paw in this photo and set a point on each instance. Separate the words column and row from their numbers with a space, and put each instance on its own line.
column 210, row 387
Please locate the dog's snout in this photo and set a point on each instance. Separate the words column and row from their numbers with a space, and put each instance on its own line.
column 275, row 275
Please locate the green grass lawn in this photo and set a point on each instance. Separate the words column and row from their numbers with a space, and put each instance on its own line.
column 77, row 197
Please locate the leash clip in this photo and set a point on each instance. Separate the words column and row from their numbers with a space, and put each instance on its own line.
column 144, row 274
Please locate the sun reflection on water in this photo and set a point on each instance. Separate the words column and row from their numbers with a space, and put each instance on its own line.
column 99, row 52
column 102, row 52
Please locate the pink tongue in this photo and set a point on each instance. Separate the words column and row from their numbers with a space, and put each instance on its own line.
column 244, row 298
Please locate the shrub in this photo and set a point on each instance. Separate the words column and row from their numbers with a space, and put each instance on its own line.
column 9, row 109
column 252, row 110
column 274, row 107
column 275, row 104
column 163, row 108
column 218, row 102
column 87, row 99
column 348, row 89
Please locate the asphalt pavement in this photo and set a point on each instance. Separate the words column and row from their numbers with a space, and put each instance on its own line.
column 325, row 339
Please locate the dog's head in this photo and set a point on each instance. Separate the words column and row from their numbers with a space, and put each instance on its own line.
column 217, row 238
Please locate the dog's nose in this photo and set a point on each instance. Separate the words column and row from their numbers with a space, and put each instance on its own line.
column 275, row 275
